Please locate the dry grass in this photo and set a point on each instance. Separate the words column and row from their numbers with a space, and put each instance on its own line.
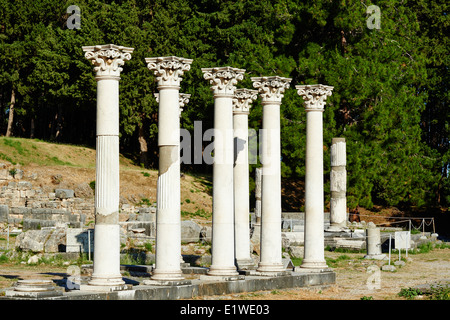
column 75, row 165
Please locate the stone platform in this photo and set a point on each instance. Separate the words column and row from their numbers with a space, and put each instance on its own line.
column 199, row 287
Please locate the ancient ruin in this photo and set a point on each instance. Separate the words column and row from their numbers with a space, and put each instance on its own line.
column 223, row 85
column 168, row 72
column 241, row 109
column 230, row 234
column 108, row 61
column 271, row 91
column 314, row 97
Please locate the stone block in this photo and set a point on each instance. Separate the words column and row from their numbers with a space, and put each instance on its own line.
column 24, row 185
column 4, row 174
column 206, row 234
column 132, row 217
column 4, row 213
column 146, row 217
column 83, row 191
column 149, row 227
column 36, row 224
column 44, row 240
column 388, row 267
column 57, row 241
column 79, row 240
column 20, row 210
column 190, row 231
column 296, row 251
column 64, row 193
column 350, row 244
column 30, row 193
column 293, row 238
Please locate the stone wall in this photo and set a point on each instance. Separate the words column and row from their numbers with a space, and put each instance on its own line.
column 33, row 208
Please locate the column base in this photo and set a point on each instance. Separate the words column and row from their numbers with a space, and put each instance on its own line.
column 167, row 275
column 270, row 268
column 245, row 264
column 106, row 281
column 319, row 265
column 222, row 271
column 106, row 284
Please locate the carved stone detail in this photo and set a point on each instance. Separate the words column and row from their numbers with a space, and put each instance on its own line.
column 243, row 99
column 168, row 70
column 107, row 58
column 314, row 96
column 184, row 99
column 223, row 79
column 271, row 89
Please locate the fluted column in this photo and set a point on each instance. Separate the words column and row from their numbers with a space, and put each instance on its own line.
column 271, row 91
column 241, row 108
column 338, row 186
column 107, row 60
column 168, row 71
column 314, row 97
column 223, row 81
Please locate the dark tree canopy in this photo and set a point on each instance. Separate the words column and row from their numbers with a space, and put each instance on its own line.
column 390, row 99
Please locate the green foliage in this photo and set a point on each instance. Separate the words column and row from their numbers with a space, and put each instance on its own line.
column 440, row 292
column 409, row 293
column 390, row 98
column 201, row 213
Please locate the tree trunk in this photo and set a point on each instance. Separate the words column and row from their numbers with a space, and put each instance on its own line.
column 11, row 113
column 32, row 128
column 143, row 147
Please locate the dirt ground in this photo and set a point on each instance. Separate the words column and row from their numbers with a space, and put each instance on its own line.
column 353, row 280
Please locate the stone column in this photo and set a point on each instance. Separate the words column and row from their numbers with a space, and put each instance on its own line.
column 258, row 183
column 241, row 108
column 223, row 81
column 256, row 234
column 338, row 186
column 271, row 91
column 314, row 97
column 168, row 71
column 373, row 244
column 107, row 60
column 184, row 99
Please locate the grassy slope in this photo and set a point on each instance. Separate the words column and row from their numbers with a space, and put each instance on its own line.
column 76, row 164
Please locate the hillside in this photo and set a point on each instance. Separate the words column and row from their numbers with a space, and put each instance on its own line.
column 50, row 165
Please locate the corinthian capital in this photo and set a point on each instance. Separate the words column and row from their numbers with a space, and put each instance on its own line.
column 184, row 99
column 223, row 80
column 271, row 89
column 107, row 59
column 168, row 70
column 242, row 100
column 314, row 96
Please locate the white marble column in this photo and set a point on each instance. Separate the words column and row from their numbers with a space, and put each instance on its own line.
column 241, row 108
column 223, row 84
column 168, row 71
column 258, row 184
column 314, row 97
column 271, row 91
column 338, row 186
column 256, row 234
column 107, row 60
column 373, row 243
